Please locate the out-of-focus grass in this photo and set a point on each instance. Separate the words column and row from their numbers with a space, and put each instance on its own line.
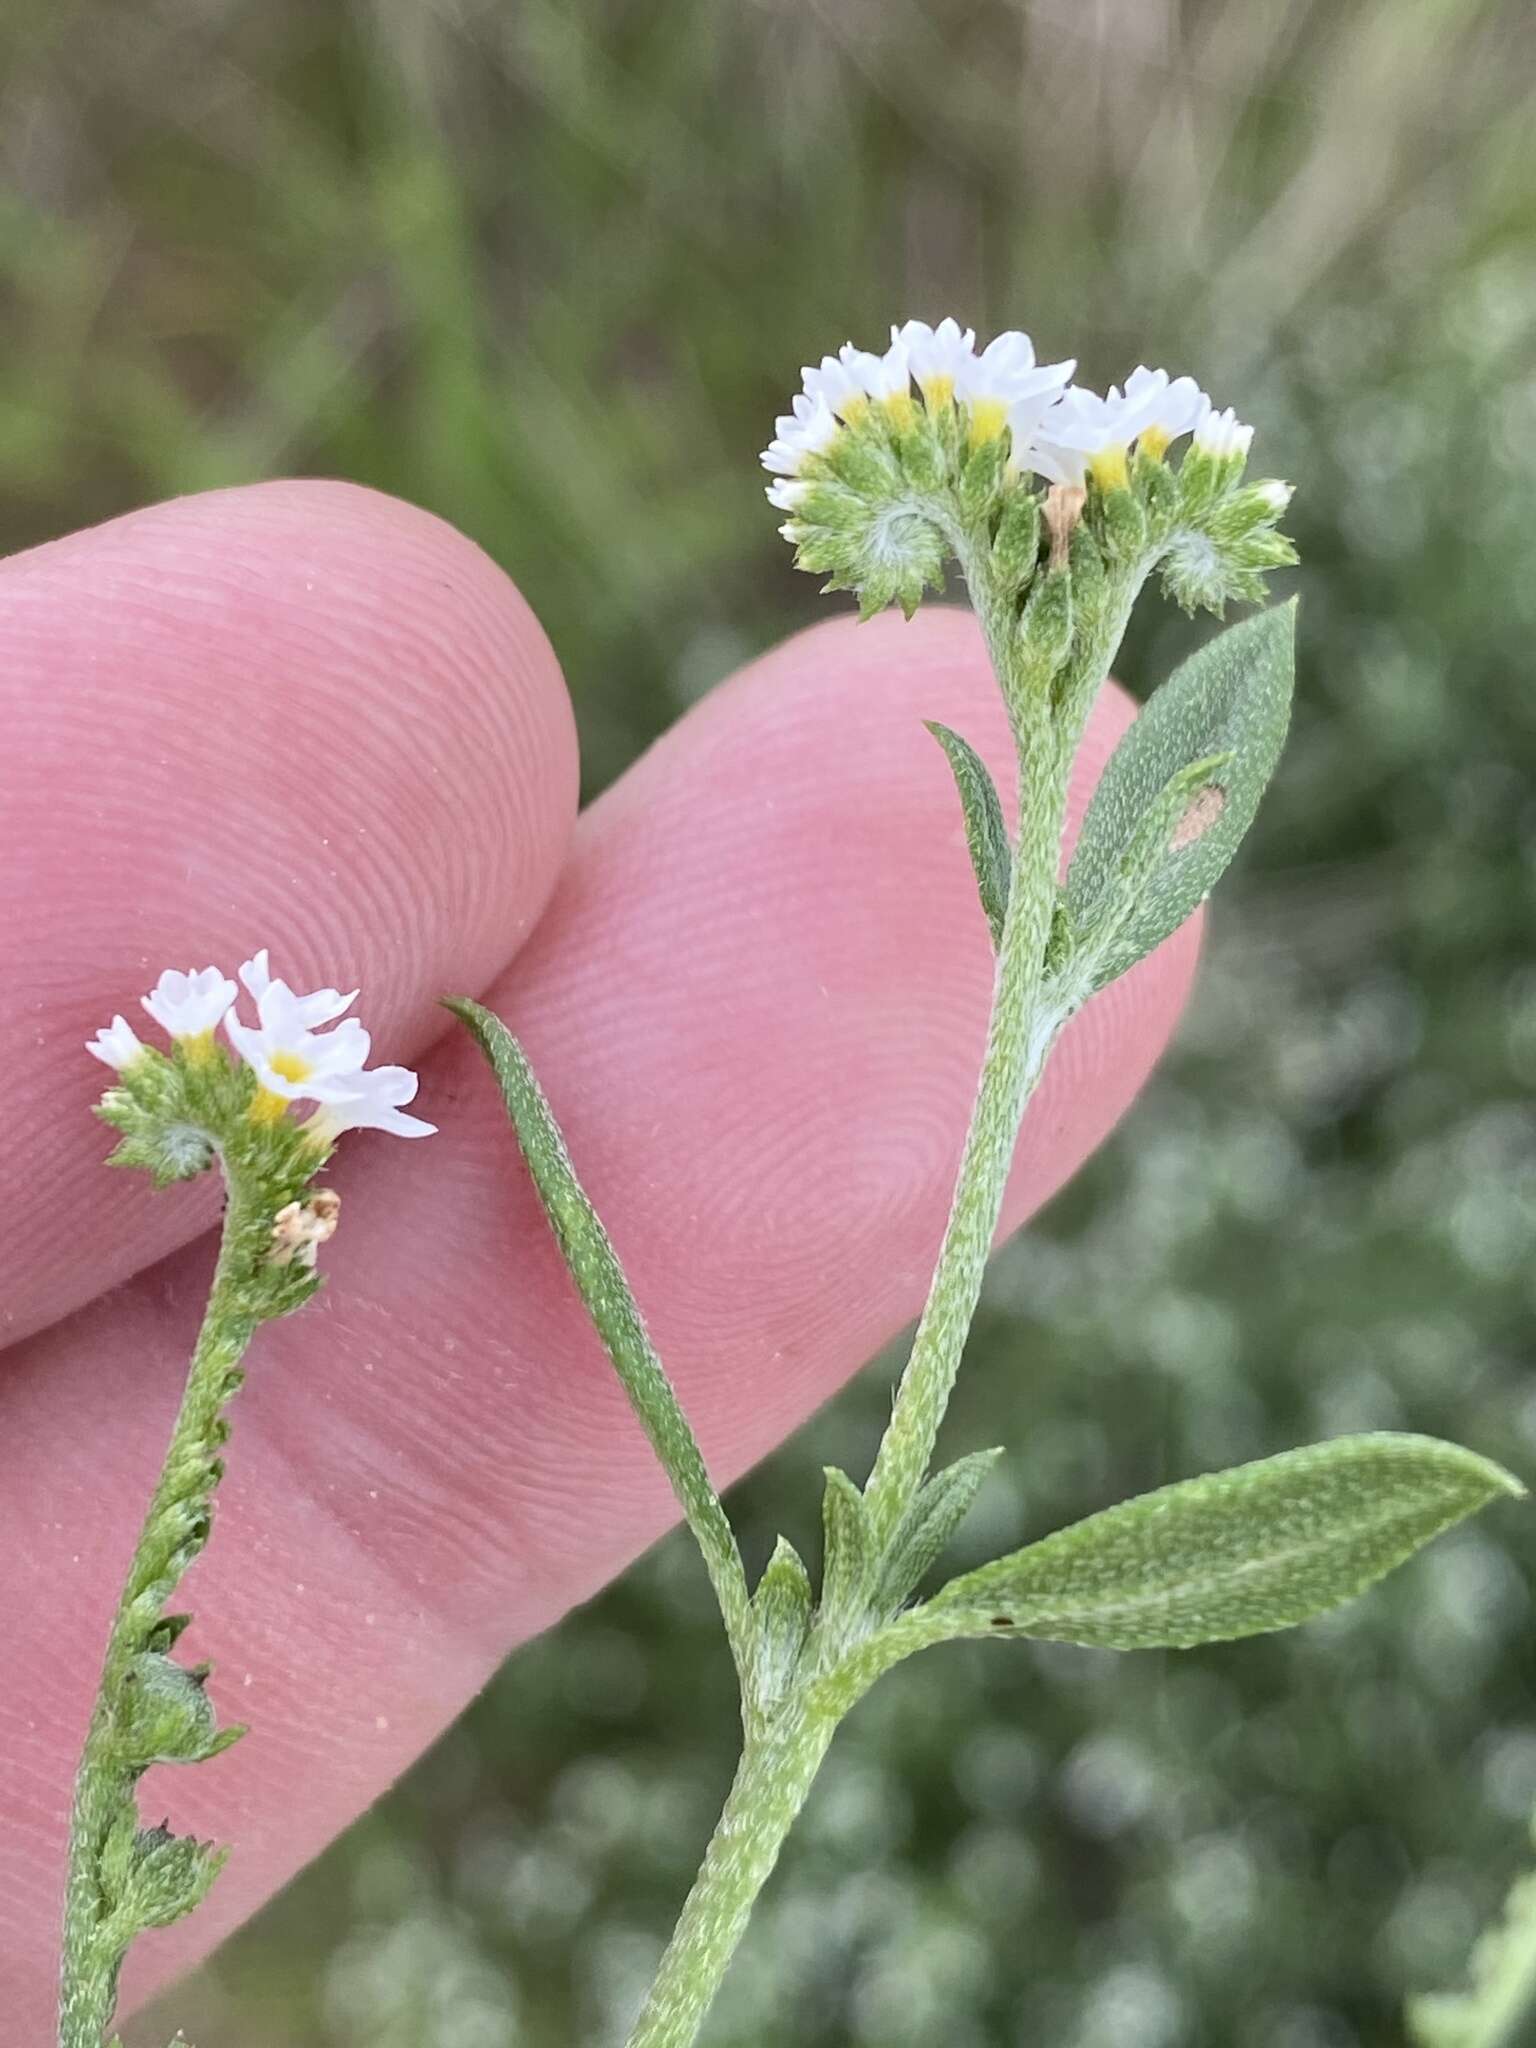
column 549, row 269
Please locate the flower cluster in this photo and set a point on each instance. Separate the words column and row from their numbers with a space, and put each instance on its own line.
column 1057, row 429
column 1062, row 431
column 290, row 1056
column 890, row 464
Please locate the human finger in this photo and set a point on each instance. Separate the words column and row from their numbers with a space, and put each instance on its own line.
column 757, row 1004
column 301, row 714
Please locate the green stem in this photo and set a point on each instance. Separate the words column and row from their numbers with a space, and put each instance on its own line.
column 776, row 1773
column 175, row 1529
column 1017, row 1041
column 1022, row 1025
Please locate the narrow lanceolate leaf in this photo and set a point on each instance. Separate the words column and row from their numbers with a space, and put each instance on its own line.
column 1232, row 1554
column 985, row 833
column 847, row 1556
column 605, row 1293
column 781, row 1616
column 1179, row 793
column 923, row 1533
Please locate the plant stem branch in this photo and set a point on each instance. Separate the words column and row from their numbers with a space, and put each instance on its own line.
column 175, row 1528
column 775, row 1774
column 1017, row 1040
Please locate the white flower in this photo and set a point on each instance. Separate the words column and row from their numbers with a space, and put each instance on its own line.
column 1274, row 495
column 290, row 1058
column 375, row 1107
column 849, row 380
column 1179, row 404
column 294, row 1060
column 1084, row 434
column 190, row 1005
column 1004, row 384
column 116, row 1044
column 787, row 492
column 936, row 356
column 809, row 427
column 324, row 1006
column 1222, row 435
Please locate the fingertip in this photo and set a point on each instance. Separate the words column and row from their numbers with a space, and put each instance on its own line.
column 299, row 713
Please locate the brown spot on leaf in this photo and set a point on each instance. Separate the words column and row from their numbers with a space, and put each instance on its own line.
column 1200, row 814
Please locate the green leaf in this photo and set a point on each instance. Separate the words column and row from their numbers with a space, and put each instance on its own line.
column 166, row 1717
column 923, row 1533
column 1232, row 1554
column 171, row 1876
column 1179, row 794
column 985, row 833
column 781, row 1616
column 847, row 1555
column 600, row 1280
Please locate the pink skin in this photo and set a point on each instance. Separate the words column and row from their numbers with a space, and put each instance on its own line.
column 756, row 1001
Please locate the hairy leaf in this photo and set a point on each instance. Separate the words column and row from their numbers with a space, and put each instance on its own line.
column 1232, row 1554
column 1179, row 793
column 985, row 833
column 164, row 1716
column 600, row 1280
column 922, row 1535
column 847, row 1555
column 781, row 1615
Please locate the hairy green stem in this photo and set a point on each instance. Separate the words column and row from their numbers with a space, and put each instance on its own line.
column 776, row 1772
column 174, row 1529
column 1016, row 1044
column 1021, row 1028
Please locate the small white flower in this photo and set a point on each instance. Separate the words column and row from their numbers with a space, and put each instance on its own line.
column 809, row 427
column 1222, row 435
column 1274, row 495
column 291, row 1059
column 190, row 1005
column 787, row 492
column 1004, row 384
column 376, row 1106
column 1179, row 404
column 296, row 1061
column 324, row 1006
column 936, row 356
column 116, row 1044
column 1084, row 434
column 849, row 380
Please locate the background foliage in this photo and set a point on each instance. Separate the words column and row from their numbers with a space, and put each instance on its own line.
column 547, row 268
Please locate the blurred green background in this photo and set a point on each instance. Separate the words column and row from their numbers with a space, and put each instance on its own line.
column 548, row 268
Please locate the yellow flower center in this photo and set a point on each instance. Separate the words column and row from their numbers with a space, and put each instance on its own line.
column 852, row 408
column 199, row 1048
column 988, row 418
column 267, row 1107
column 899, row 409
column 1108, row 469
column 1152, row 441
column 937, row 392
column 291, row 1065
